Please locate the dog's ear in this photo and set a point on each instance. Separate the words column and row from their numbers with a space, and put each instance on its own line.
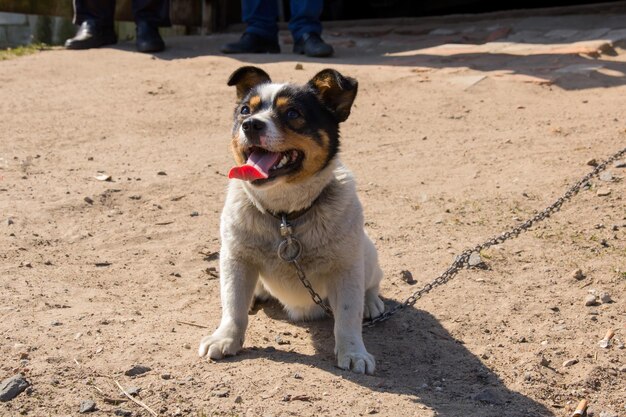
column 246, row 78
column 335, row 91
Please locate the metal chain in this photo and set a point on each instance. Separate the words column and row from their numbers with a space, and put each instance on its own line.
column 307, row 284
column 460, row 262
column 290, row 250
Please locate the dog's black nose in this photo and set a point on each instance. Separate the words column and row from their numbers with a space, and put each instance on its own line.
column 253, row 129
column 253, row 125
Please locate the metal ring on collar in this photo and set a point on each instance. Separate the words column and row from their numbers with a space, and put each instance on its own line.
column 287, row 254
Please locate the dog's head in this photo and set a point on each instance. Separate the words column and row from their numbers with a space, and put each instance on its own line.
column 286, row 133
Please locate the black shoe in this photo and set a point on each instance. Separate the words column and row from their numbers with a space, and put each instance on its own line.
column 311, row 44
column 148, row 37
column 92, row 35
column 252, row 44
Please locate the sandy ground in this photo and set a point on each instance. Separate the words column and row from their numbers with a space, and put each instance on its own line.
column 450, row 145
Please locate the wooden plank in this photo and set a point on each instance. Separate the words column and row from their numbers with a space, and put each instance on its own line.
column 186, row 12
column 182, row 12
column 208, row 17
column 123, row 10
column 40, row 7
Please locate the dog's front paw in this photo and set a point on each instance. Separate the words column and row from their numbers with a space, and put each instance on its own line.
column 358, row 361
column 218, row 345
column 373, row 306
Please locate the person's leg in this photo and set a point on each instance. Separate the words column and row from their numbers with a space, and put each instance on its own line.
column 100, row 11
column 95, row 18
column 149, row 15
column 305, row 17
column 260, row 16
column 261, row 35
column 155, row 12
column 306, row 28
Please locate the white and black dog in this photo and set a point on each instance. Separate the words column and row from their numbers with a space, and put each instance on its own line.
column 285, row 141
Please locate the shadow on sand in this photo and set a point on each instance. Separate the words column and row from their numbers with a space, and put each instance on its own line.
column 416, row 357
column 564, row 68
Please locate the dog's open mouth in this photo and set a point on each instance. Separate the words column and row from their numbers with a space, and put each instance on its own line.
column 262, row 165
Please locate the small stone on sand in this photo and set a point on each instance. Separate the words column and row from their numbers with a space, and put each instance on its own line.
column 569, row 363
column 605, row 298
column 87, row 406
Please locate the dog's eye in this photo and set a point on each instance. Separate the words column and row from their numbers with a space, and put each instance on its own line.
column 293, row 114
column 245, row 110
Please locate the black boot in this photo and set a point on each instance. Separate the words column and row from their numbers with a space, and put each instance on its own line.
column 252, row 44
column 311, row 44
column 92, row 34
column 148, row 37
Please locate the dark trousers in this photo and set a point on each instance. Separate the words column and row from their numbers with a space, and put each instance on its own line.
column 156, row 12
column 261, row 17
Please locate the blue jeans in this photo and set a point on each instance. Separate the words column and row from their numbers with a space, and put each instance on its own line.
column 261, row 17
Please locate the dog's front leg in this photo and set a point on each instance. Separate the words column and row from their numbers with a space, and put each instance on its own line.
column 237, row 282
column 345, row 295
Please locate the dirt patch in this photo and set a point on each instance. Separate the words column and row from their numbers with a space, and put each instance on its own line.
column 97, row 275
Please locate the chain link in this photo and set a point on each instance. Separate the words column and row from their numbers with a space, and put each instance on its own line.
column 289, row 250
column 307, row 284
column 462, row 260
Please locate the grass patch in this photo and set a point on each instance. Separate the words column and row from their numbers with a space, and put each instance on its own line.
column 11, row 53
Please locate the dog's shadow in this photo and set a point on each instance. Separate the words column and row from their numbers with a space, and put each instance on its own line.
column 416, row 357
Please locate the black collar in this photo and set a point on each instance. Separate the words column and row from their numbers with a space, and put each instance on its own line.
column 293, row 215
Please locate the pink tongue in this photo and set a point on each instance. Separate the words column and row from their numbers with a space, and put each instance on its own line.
column 257, row 166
